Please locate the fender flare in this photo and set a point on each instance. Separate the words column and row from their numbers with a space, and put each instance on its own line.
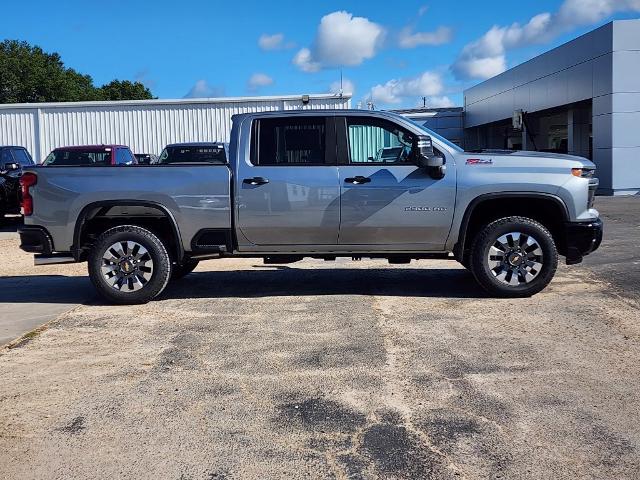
column 84, row 213
column 462, row 233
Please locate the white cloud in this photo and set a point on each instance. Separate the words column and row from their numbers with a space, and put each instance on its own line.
column 410, row 39
column 347, row 87
column 304, row 61
column 585, row 12
column 422, row 10
column 202, row 89
column 439, row 102
column 341, row 40
column 396, row 90
column 274, row 42
column 258, row 80
column 486, row 57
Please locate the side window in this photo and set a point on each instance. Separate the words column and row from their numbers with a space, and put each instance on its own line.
column 379, row 141
column 5, row 157
column 124, row 157
column 289, row 141
column 22, row 157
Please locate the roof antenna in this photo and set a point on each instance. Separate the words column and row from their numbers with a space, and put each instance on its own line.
column 424, row 102
column 341, row 90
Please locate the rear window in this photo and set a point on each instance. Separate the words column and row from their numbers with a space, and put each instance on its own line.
column 79, row 157
column 193, row 154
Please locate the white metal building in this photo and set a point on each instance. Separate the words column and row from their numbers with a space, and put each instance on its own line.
column 144, row 125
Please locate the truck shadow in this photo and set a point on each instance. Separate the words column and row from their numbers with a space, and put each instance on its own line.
column 287, row 281
column 46, row 289
column 255, row 283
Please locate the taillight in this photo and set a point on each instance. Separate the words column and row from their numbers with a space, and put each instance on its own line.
column 28, row 179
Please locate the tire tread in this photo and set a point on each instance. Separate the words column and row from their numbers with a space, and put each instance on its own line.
column 477, row 258
column 163, row 267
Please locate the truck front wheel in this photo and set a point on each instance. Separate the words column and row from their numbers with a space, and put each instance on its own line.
column 513, row 257
column 129, row 265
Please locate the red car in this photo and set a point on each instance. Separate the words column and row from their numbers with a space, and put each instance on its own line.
column 91, row 155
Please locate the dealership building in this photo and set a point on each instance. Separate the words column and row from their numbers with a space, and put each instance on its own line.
column 581, row 98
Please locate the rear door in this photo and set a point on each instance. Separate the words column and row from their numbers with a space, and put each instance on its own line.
column 387, row 200
column 287, row 188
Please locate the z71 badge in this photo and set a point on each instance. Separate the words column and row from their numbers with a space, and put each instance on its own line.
column 424, row 209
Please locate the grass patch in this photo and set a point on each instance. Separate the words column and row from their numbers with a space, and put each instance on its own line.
column 26, row 338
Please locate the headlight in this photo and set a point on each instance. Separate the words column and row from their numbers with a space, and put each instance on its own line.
column 583, row 172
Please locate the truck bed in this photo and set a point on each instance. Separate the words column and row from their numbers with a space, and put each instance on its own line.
column 197, row 196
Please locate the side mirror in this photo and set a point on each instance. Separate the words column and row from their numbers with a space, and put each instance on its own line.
column 427, row 158
column 10, row 167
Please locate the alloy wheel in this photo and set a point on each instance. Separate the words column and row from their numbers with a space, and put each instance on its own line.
column 515, row 258
column 127, row 266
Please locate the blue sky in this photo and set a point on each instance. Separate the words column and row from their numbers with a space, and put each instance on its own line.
column 390, row 52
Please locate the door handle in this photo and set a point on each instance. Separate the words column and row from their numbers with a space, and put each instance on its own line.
column 359, row 180
column 255, row 181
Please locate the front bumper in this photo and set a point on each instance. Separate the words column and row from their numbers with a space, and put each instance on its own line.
column 582, row 238
column 35, row 240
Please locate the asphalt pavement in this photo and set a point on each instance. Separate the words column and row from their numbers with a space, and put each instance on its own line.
column 617, row 261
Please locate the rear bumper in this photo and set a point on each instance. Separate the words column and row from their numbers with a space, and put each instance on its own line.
column 581, row 239
column 35, row 240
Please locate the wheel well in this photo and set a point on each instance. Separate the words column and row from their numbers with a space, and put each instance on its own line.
column 96, row 219
column 547, row 211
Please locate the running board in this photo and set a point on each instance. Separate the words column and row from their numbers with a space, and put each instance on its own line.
column 52, row 259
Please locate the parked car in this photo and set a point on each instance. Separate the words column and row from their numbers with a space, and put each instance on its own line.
column 194, row 152
column 299, row 184
column 12, row 160
column 146, row 158
column 90, row 155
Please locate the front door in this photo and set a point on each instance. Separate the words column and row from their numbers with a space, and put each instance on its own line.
column 288, row 190
column 387, row 201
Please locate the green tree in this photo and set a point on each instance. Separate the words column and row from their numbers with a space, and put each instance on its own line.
column 30, row 75
column 125, row 90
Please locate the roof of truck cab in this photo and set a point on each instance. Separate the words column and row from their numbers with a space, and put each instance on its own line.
column 319, row 112
column 196, row 144
column 90, row 147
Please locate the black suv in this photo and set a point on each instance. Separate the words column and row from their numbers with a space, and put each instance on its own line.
column 12, row 160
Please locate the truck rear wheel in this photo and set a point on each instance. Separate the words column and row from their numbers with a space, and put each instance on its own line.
column 514, row 257
column 129, row 265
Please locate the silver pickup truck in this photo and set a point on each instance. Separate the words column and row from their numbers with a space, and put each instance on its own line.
column 320, row 184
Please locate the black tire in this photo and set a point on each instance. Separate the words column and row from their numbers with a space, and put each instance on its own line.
column 181, row 270
column 155, row 259
column 530, row 274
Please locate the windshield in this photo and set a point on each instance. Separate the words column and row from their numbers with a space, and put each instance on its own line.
column 193, row 154
column 440, row 138
column 78, row 157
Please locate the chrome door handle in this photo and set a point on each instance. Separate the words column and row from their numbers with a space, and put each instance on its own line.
column 255, row 181
column 359, row 180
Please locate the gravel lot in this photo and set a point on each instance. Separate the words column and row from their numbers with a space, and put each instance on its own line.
column 322, row 370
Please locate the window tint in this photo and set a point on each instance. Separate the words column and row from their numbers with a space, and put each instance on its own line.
column 379, row 141
column 5, row 157
column 193, row 154
column 124, row 157
column 22, row 157
column 289, row 141
column 79, row 157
